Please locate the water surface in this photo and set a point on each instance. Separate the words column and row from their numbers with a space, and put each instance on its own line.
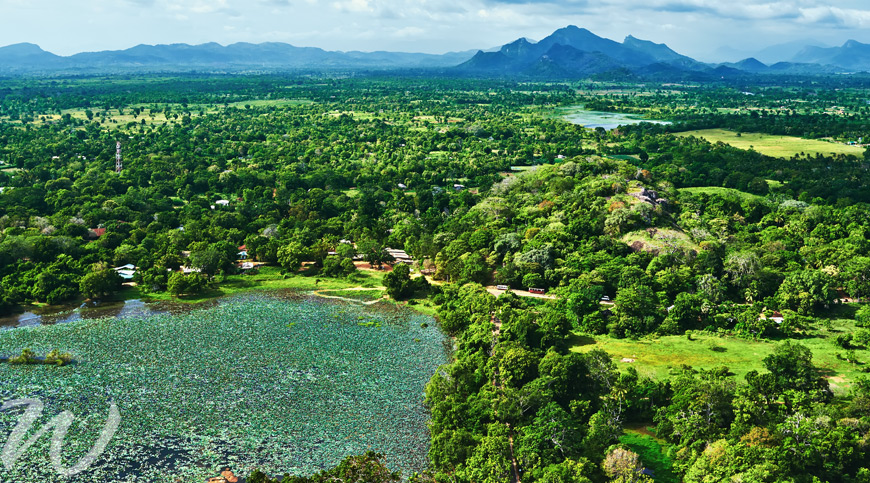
column 606, row 120
column 279, row 382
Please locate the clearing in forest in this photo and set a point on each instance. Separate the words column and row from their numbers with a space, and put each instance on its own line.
column 726, row 192
column 658, row 356
column 660, row 240
column 776, row 146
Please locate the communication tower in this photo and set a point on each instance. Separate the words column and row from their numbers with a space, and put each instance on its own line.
column 118, row 158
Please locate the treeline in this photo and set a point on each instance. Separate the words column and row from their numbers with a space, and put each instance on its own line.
column 809, row 111
column 694, row 162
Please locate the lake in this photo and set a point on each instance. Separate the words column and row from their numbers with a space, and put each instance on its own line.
column 606, row 120
column 277, row 381
column 59, row 314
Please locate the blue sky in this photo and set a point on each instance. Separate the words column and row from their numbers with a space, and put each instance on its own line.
column 692, row 27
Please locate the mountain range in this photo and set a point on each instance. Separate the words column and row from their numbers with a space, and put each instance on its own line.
column 769, row 55
column 569, row 52
column 28, row 58
column 577, row 52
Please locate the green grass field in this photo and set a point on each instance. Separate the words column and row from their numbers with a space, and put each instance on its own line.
column 718, row 190
column 664, row 240
column 269, row 278
column 656, row 357
column 271, row 102
column 652, row 452
column 625, row 157
column 776, row 146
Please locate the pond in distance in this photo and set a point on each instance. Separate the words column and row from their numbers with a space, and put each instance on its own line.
column 606, row 120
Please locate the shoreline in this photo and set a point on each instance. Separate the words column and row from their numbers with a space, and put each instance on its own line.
column 270, row 278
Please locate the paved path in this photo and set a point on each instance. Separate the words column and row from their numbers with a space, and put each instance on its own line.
column 521, row 293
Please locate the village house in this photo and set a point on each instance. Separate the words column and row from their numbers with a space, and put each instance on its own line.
column 400, row 256
column 126, row 272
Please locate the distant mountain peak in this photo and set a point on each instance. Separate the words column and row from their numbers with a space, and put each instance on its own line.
column 751, row 61
column 23, row 48
column 24, row 55
column 852, row 56
column 750, row 64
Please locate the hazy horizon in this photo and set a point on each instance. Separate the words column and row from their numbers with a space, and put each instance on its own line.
column 703, row 29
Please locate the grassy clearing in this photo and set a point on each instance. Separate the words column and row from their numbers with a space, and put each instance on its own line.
column 368, row 295
column 626, row 157
column 423, row 306
column 652, row 452
column 271, row 102
column 658, row 356
column 776, row 146
column 357, row 115
column 661, row 239
column 718, row 190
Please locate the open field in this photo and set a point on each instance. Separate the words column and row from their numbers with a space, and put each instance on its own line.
column 656, row 357
column 271, row 102
column 718, row 190
column 662, row 240
column 776, row 146
column 652, row 452
column 268, row 278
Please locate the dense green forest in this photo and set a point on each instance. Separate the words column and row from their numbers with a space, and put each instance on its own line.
column 636, row 234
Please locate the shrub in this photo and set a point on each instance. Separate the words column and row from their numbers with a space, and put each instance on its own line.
column 862, row 317
column 27, row 357
column 57, row 358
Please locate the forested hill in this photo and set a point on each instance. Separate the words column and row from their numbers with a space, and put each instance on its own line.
column 521, row 397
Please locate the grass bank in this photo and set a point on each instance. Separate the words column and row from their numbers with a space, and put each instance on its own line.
column 268, row 278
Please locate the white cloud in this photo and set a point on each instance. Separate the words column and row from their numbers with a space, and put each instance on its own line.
column 690, row 26
column 847, row 18
column 357, row 6
column 408, row 32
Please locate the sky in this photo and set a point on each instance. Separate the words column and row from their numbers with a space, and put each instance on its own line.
column 698, row 28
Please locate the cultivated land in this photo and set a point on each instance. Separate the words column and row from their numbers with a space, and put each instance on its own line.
column 777, row 146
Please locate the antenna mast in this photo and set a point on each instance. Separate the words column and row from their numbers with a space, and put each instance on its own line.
column 118, row 158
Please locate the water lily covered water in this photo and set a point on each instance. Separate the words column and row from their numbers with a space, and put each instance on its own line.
column 280, row 383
